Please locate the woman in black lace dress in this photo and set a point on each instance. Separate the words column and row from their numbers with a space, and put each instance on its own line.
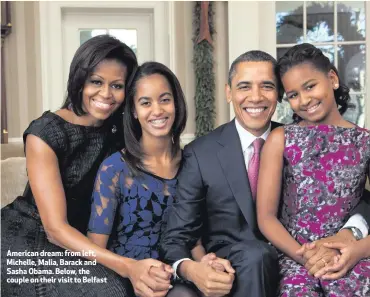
column 64, row 150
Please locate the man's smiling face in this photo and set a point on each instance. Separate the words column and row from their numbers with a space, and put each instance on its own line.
column 253, row 93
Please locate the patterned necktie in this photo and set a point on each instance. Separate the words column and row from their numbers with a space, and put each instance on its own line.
column 254, row 165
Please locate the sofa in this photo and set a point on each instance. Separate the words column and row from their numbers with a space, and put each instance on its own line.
column 13, row 172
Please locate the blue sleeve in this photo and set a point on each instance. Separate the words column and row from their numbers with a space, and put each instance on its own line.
column 105, row 197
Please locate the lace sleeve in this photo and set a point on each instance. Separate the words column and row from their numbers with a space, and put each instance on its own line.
column 104, row 199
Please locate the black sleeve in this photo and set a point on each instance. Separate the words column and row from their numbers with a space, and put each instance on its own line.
column 363, row 208
column 49, row 129
column 184, row 221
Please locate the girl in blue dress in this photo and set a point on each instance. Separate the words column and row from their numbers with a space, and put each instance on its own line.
column 135, row 186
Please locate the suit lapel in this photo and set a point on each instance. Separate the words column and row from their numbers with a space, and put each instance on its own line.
column 233, row 165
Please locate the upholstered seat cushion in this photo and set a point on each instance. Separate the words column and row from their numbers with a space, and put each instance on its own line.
column 13, row 179
column 13, row 149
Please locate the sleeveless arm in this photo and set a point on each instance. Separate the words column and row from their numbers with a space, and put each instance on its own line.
column 268, row 195
column 43, row 149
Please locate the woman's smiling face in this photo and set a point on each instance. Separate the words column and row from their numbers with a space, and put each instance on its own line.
column 104, row 91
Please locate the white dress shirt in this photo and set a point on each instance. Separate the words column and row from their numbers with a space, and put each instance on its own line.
column 246, row 140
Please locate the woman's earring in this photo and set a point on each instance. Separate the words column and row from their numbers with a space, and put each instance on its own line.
column 336, row 86
column 114, row 129
column 173, row 142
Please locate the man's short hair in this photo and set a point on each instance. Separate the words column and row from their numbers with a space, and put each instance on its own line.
column 256, row 56
column 250, row 56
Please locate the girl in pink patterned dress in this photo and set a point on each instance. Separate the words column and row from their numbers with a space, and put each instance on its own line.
column 323, row 161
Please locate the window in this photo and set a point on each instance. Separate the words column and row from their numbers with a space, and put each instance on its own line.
column 128, row 36
column 338, row 29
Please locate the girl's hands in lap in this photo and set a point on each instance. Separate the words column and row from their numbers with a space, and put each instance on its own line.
column 315, row 256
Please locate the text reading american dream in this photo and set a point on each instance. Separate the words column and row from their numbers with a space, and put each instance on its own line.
column 50, row 267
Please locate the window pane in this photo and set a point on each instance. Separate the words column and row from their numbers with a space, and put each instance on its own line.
column 128, row 36
column 320, row 21
column 328, row 50
column 357, row 114
column 289, row 21
column 85, row 35
column 352, row 66
column 351, row 20
column 284, row 112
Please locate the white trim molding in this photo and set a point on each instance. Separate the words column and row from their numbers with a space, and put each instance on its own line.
column 260, row 33
column 15, row 140
column 186, row 138
column 171, row 35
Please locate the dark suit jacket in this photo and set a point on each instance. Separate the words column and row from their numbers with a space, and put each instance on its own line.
column 213, row 198
column 213, row 194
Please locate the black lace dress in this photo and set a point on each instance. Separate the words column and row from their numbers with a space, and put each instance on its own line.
column 80, row 151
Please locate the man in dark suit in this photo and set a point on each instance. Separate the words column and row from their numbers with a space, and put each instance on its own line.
column 216, row 191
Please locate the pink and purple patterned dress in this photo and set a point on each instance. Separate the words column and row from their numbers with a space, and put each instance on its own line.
column 325, row 169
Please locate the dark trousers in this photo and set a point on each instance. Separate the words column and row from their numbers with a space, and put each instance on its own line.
column 184, row 290
column 256, row 271
column 256, row 268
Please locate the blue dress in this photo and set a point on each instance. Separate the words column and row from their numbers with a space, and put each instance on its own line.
column 133, row 210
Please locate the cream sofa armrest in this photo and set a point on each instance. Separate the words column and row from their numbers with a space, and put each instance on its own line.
column 13, row 179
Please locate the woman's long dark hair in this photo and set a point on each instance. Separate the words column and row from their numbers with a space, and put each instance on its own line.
column 86, row 58
column 133, row 151
column 307, row 53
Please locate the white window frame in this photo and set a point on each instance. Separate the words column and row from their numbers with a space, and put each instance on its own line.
column 336, row 43
column 258, row 31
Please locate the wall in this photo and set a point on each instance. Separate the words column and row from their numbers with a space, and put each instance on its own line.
column 221, row 61
column 235, row 34
column 22, row 73
column 257, row 31
column 184, row 56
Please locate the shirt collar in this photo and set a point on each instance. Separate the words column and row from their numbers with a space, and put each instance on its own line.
column 247, row 138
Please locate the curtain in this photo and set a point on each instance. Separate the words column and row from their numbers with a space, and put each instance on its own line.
column 5, row 31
